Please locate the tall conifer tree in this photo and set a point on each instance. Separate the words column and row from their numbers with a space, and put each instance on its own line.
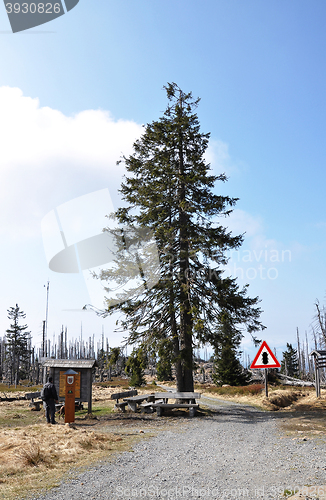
column 289, row 363
column 169, row 189
column 17, row 342
column 228, row 369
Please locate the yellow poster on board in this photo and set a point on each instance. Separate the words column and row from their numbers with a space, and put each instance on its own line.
column 62, row 384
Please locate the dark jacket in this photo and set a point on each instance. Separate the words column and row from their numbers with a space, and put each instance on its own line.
column 53, row 391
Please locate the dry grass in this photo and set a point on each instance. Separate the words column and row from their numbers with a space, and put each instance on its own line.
column 20, row 390
column 34, row 455
column 27, row 452
column 280, row 398
column 121, row 383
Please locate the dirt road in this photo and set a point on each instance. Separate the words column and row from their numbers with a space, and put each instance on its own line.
column 234, row 452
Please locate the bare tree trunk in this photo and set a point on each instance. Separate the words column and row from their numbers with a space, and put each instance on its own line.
column 321, row 321
column 299, row 357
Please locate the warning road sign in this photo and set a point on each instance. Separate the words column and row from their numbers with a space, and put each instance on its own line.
column 265, row 358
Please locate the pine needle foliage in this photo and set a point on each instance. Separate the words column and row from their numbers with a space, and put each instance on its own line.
column 164, row 363
column 228, row 369
column 17, row 339
column 289, row 363
column 136, row 363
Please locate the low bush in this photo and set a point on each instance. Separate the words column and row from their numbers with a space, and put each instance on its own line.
column 245, row 390
column 32, row 456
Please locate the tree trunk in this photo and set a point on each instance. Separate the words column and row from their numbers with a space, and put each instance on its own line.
column 185, row 308
column 176, row 354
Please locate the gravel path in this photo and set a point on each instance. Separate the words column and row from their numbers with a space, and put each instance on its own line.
column 237, row 453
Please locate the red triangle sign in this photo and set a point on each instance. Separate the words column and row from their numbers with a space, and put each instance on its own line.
column 265, row 358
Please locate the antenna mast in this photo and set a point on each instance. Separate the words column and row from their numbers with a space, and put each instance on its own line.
column 45, row 323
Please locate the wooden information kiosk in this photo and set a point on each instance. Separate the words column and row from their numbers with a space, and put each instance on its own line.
column 84, row 368
column 70, row 396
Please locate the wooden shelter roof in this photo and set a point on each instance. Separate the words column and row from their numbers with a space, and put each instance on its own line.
column 70, row 363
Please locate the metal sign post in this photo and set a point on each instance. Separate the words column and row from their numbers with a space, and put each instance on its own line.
column 70, row 396
column 266, row 379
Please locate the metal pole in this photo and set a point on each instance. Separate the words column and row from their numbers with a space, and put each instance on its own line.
column 46, row 320
column 266, row 387
column 44, row 341
column 43, row 352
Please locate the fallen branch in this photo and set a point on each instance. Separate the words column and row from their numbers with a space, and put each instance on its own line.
column 295, row 381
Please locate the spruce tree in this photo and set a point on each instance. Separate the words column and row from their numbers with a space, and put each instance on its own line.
column 289, row 363
column 115, row 360
column 227, row 367
column 164, row 363
column 17, row 339
column 136, row 363
column 169, row 190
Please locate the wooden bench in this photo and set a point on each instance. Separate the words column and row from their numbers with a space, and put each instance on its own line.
column 148, row 407
column 169, row 406
column 122, row 395
column 188, row 401
column 36, row 405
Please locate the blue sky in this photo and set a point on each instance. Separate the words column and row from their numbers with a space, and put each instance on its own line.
column 75, row 92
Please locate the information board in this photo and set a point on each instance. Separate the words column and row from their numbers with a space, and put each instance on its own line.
column 62, row 384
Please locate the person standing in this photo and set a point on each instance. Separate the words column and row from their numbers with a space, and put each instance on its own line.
column 50, row 397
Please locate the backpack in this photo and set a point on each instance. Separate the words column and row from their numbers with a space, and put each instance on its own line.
column 46, row 393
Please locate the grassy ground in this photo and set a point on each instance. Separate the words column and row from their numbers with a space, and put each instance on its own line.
column 280, row 398
column 29, row 446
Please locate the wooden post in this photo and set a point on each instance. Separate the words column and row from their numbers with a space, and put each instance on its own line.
column 317, row 380
column 266, row 386
column 70, row 396
column 89, row 385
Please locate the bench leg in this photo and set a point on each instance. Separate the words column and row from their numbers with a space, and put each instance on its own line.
column 132, row 406
column 192, row 412
column 122, row 408
column 149, row 409
column 159, row 411
column 35, row 405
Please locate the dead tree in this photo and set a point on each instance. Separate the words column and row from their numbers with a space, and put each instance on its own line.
column 321, row 321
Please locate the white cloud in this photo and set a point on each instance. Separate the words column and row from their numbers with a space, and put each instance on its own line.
column 240, row 222
column 48, row 158
column 217, row 154
column 257, row 250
